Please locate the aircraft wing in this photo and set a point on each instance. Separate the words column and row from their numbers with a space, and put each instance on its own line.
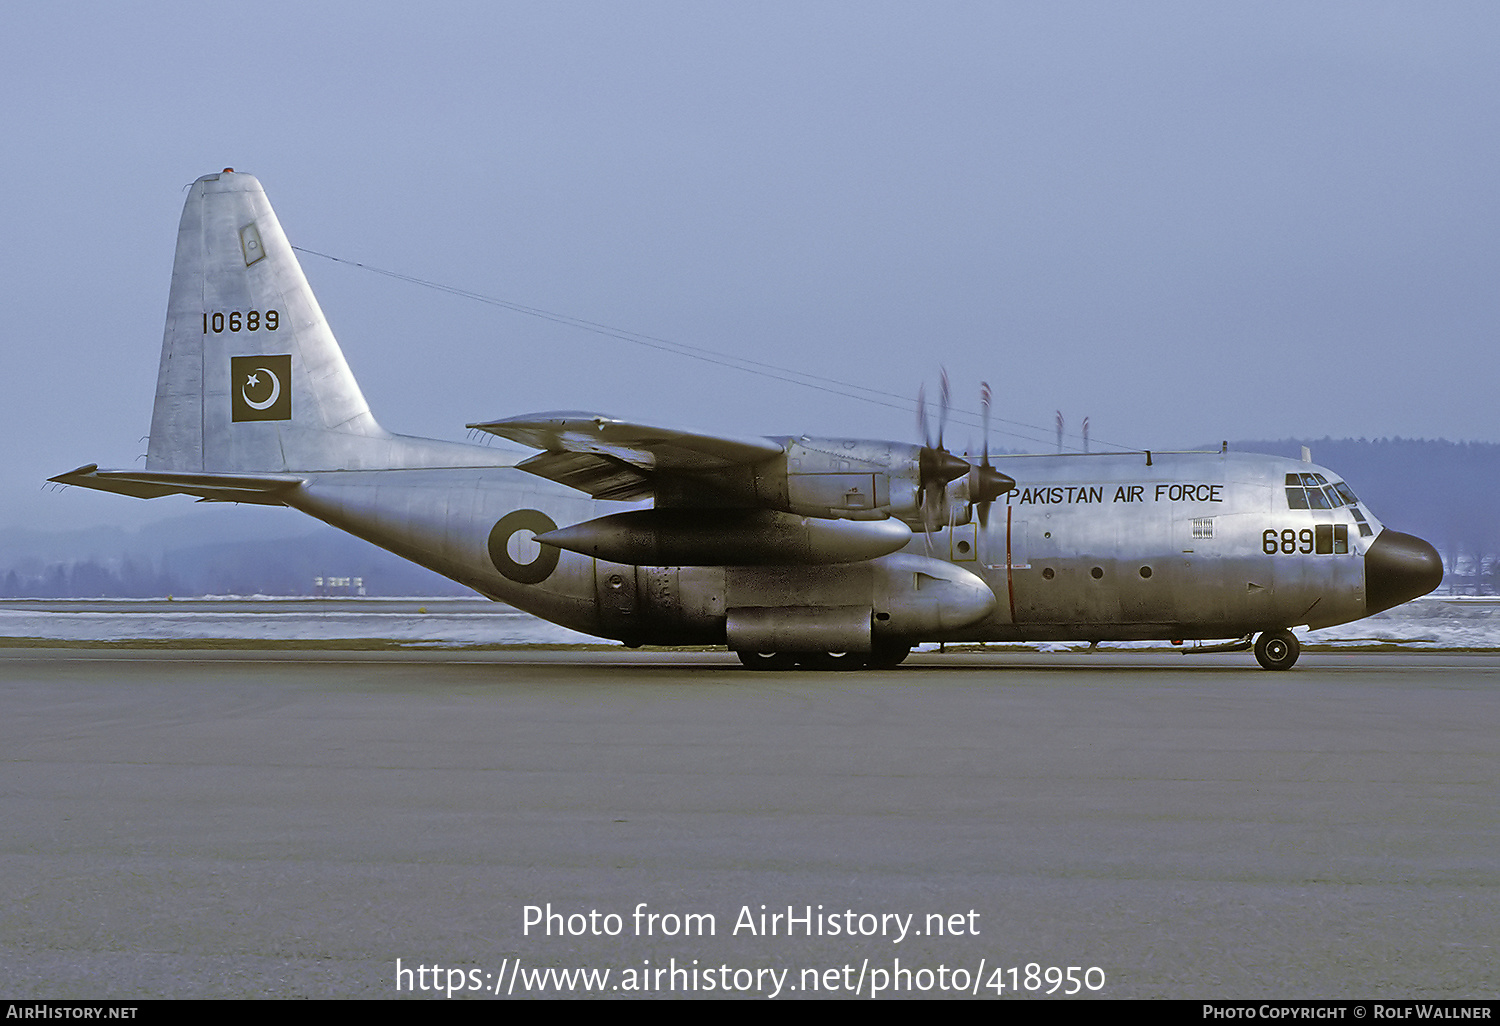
column 616, row 459
column 262, row 489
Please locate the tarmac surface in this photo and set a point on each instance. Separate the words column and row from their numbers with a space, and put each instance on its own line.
column 290, row 824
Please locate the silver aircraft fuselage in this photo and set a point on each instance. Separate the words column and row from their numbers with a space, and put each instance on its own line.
column 1089, row 548
column 790, row 551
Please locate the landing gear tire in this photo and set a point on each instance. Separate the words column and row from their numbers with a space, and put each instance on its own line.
column 831, row 660
column 888, row 655
column 1277, row 650
column 767, row 660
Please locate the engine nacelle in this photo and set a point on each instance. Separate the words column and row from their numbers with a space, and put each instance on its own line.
column 861, row 480
column 846, row 479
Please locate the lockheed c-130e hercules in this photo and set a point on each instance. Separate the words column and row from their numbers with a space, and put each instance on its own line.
column 810, row 552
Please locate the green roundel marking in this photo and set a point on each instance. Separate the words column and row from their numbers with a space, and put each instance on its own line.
column 540, row 568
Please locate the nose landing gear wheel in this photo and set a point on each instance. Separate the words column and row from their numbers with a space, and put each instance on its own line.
column 1277, row 650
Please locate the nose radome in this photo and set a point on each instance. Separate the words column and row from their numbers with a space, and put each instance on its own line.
column 1398, row 568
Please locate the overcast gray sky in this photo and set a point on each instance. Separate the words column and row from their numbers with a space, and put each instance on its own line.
column 1185, row 221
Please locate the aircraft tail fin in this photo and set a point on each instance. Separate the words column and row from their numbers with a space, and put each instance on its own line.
column 251, row 379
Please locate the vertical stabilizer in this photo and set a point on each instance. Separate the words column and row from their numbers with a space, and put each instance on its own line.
column 251, row 377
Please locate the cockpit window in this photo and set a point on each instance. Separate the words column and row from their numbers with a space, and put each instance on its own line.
column 1305, row 491
column 1313, row 491
column 1296, row 495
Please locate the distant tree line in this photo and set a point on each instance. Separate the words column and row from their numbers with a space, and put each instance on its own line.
column 278, row 567
column 130, row 579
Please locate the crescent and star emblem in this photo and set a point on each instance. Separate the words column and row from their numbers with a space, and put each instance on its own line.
column 254, row 379
column 265, row 391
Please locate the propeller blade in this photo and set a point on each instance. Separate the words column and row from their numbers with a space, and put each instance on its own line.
column 984, row 405
column 987, row 484
column 943, row 409
column 922, row 415
column 936, row 466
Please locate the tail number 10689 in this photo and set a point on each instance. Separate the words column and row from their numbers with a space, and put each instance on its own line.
column 251, row 320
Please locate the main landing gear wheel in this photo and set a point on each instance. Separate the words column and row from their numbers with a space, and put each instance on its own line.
column 884, row 657
column 1277, row 650
column 831, row 660
column 767, row 660
column 802, row 660
column 889, row 655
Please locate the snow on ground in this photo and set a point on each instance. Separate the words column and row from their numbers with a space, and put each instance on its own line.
column 1430, row 622
column 1434, row 622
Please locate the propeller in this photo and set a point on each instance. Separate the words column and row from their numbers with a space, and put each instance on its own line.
column 936, row 466
column 986, row 484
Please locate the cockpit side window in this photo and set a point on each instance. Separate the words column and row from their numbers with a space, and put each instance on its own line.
column 1352, row 502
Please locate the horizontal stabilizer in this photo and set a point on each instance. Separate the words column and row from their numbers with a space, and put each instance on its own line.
column 262, row 489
